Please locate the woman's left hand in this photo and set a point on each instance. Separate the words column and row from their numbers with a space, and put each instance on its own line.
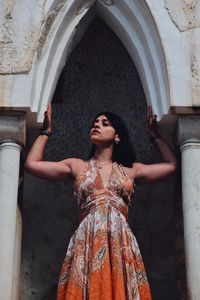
column 152, row 122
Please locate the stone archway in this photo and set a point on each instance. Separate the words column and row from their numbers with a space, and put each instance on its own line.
column 134, row 24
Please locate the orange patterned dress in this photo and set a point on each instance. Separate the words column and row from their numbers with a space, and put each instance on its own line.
column 103, row 261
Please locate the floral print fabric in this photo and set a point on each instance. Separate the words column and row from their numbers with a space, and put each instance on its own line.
column 103, row 261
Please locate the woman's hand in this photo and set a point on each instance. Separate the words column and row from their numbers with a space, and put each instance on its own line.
column 47, row 118
column 152, row 123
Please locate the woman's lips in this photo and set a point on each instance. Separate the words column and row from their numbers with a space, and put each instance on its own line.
column 95, row 131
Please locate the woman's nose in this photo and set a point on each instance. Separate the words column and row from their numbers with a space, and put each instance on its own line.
column 96, row 125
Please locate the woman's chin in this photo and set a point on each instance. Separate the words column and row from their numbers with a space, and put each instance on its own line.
column 95, row 141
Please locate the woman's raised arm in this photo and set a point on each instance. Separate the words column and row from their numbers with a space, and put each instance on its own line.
column 56, row 171
column 155, row 172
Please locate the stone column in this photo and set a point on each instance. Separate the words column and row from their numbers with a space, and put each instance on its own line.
column 17, row 256
column 12, row 133
column 189, row 139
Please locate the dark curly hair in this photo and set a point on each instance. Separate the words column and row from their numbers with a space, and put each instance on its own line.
column 123, row 152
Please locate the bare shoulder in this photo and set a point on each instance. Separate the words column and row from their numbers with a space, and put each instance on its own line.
column 75, row 164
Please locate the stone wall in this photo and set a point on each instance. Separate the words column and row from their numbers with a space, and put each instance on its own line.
column 98, row 76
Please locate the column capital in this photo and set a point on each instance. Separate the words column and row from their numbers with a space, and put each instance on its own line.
column 188, row 129
column 13, row 127
column 10, row 144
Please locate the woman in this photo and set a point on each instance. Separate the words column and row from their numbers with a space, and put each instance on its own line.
column 103, row 261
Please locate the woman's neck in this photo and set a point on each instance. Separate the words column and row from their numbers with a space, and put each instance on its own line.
column 103, row 155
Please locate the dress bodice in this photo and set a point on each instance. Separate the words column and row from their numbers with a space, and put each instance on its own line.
column 90, row 183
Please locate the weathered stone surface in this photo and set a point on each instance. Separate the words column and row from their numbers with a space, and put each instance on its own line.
column 51, row 22
column 19, row 34
column 47, row 27
column 194, row 58
column 184, row 13
column 168, row 64
column 63, row 27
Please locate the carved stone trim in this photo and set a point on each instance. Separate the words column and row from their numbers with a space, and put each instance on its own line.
column 18, row 35
column 108, row 2
column 11, row 141
column 85, row 5
column 190, row 144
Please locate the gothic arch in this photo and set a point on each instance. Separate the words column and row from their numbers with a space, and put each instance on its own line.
column 63, row 26
column 134, row 24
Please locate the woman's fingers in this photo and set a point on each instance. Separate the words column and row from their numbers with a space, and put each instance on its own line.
column 49, row 109
column 47, row 118
column 48, row 112
column 151, row 119
column 150, row 112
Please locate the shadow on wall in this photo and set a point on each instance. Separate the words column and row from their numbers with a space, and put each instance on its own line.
column 98, row 76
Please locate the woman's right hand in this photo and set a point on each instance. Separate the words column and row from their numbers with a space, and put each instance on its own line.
column 47, row 118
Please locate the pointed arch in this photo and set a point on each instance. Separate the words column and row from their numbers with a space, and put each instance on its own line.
column 134, row 24
column 63, row 27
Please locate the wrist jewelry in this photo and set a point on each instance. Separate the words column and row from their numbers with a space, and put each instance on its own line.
column 45, row 132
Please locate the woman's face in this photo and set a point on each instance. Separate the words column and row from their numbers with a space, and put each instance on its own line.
column 102, row 131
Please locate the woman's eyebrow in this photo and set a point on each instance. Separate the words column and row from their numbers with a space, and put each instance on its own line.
column 104, row 119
